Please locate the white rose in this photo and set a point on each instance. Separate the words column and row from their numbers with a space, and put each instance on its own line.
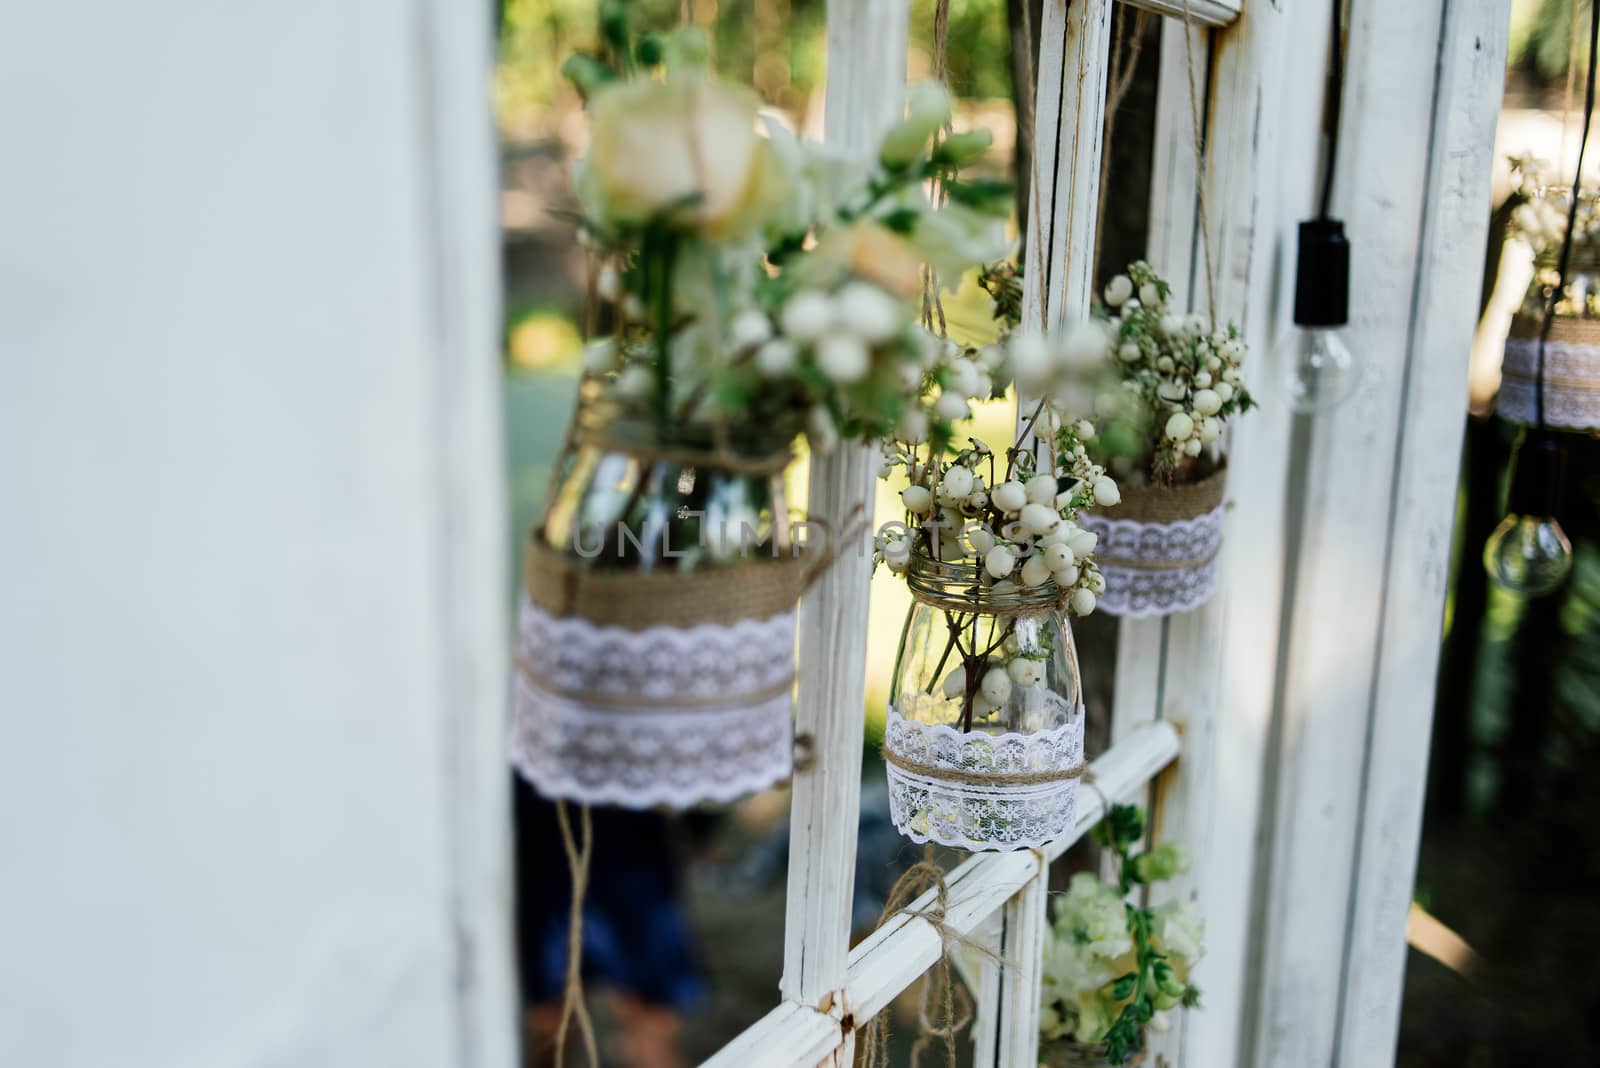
column 687, row 145
column 868, row 312
column 1118, row 290
column 996, row 685
column 1106, row 492
column 918, row 500
column 957, row 483
column 807, row 315
column 1041, row 489
column 775, row 358
column 749, row 329
column 843, row 358
column 1009, row 496
column 999, row 561
column 1082, row 602
column 1039, row 518
column 1207, row 402
column 1179, row 426
column 1035, row 571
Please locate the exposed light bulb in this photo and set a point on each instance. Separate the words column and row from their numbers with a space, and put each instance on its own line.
column 1529, row 553
column 1320, row 369
column 1322, row 372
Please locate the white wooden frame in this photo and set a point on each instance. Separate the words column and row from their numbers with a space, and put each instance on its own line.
column 1236, row 679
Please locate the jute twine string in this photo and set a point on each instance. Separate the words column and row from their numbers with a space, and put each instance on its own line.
column 946, row 1007
column 979, row 778
column 1200, row 162
column 932, row 301
column 572, row 1003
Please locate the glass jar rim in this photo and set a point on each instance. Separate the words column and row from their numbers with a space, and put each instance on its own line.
column 963, row 586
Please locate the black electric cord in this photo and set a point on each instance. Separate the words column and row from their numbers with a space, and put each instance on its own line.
column 1572, row 216
column 1334, row 107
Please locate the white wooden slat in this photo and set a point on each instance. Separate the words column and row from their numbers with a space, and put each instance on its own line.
column 1023, row 923
column 866, row 69
column 892, row 958
column 1199, row 12
column 986, row 995
column 1472, row 55
column 1374, row 541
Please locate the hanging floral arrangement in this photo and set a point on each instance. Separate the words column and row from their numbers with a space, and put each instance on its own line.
column 1113, row 970
column 1563, row 391
column 1175, row 381
column 984, row 736
column 757, row 288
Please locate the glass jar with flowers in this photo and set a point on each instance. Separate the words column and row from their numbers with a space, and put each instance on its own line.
column 755, row 289
column 1113, row 969
column 1173, row 382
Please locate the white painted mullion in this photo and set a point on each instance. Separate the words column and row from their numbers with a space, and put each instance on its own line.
column 866, row 70
column 1022, row 929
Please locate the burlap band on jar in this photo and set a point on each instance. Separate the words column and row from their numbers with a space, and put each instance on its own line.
column 1522, row 363
column 754, row 587
column 1170, row 504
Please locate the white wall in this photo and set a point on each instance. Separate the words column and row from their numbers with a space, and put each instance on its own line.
column 252, row 802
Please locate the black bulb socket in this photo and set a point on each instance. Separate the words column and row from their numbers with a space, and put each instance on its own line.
column 1322, row 275
column 1536, row 482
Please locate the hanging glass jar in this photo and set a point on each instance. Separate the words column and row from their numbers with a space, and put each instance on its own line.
column 1571, row 372
column 657, row 618
column 1159, row 544
column 984, row 739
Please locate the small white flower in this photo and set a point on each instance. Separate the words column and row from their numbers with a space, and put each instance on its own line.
column 955, row 684
column 1057, row 555
column 1202, row 379
column 1179, row 426
column 981, row 539
column 957, row 483
column 1067, row 576
column 1149, row 295
column 952, row 406
column 1192, row 447
column 1231, row 377
column 918, row 500
column 1085, row 429
column 1039, row 518
column 636, row 382
column 601, row 357
column 1082, row 602
column 1009, row 496
column 910, row 376
column 1035, row 571
column 1170, row 391
column 749, row 329
column 1030, row 360
column 1165, row 365
column 992, row 357
column 1225, row 391
column 1210, row 429
column 895, row 546
column 1082, row 543
column 820, row 429
column 1106, row 492
column 967, row 379
column 1041, row 489
column 843, row 358
column 999, row 561
column 1026, row 672
column 912, row 427
column 868, row 312
column 1207, row 402
column 608, row 284
column 775, row 358
column 1085, row 345
column 633, row 308
column 996, row 685
column 1128, row 351
column 807, row 315
column 1118, row 290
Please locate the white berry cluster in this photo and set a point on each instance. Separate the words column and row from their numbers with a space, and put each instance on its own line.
column 1019, row 531
column 1540, row 221
column 1180, row 376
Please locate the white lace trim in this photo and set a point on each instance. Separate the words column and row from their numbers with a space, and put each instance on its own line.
column 976, row 815
column 604, row 715
column 1156, row 569
column 1571, row 388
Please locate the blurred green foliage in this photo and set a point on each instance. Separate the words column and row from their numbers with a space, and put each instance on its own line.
column 1541, row 36
column 979, row 48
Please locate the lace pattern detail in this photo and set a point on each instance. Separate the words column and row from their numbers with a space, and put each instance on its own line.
column 1571, row 388
column 603, row 715
column 976, row 815
column 1156, row 569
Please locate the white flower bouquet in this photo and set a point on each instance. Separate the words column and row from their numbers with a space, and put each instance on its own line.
column 1176, row 381
column 1112, row 968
